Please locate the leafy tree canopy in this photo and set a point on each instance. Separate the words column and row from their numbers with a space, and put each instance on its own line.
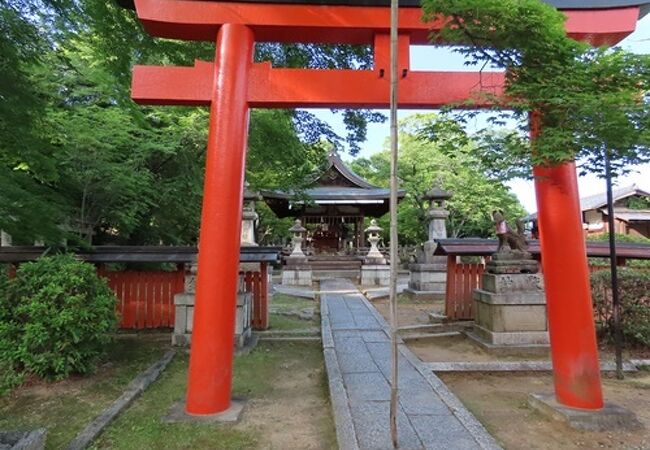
column 586, row 100
column 445, row 163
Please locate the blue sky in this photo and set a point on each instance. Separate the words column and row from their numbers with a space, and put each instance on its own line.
column 440, row 58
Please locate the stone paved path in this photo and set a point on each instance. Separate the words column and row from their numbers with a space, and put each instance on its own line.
column 356, row 345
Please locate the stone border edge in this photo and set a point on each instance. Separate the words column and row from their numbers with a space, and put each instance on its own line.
column 346, row 435
column 132, row 392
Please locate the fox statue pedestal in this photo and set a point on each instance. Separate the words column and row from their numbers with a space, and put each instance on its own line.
column 510, row 309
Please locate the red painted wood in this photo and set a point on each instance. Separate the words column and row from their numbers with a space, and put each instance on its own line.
column 264, row 298
column 145, row 299
column 211, row 358
column 339, row 24
column 572, row 332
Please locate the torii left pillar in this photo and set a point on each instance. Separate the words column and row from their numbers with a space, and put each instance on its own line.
column 211, row 359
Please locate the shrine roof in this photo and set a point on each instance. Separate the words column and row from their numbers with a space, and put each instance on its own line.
column 335, row 181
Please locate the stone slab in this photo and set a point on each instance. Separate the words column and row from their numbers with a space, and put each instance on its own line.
column 443, row 433
column 371, row 421
column 23, row 440
column 610, row 418
column 508, row 339
column 515, row 298
column 515, row 366
column 413, row 292
column 430, row 267
column 133, row 391
column 366, row 386
column 510, row 318
column 177, row 414
column 504, row 283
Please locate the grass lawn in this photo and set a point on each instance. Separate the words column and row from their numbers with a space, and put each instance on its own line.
column 66, row 407
column 287, row 406
column 286, row 303
column 282, row 303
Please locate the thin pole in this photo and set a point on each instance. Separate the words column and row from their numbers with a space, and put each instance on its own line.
column 393, row 219
column 616, row 307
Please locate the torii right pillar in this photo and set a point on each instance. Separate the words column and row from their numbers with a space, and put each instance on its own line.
column 572, row 333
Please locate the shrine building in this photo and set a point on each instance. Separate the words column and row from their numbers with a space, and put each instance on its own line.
column 333, row 207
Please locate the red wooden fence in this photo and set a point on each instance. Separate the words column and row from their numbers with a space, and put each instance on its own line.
column 462, row 279
column 257, row 284
column 145, row 299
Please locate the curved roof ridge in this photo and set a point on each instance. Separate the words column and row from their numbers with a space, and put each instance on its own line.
column 334, row 160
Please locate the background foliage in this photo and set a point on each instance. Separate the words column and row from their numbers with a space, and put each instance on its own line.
column 634, row 292
column 442, row 160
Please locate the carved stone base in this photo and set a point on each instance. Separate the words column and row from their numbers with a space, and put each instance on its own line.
column 297, row 276
column 375, row 275
column 514, row 261
column 510, row 311
column 184, row 304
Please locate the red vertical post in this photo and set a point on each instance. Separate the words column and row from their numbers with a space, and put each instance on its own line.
column 574, row 351
column 211, row 357
column 264, row 296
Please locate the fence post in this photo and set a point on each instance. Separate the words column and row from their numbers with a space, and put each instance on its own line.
column 264, row 296
column 451, row 286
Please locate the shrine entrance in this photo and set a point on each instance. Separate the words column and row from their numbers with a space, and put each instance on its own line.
column 233, row 83
column 333, row 208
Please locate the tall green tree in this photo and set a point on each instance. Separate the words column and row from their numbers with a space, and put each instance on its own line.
column 442, row 162
column 585, row 99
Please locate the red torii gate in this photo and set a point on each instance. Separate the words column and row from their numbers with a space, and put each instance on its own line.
column 233, row 83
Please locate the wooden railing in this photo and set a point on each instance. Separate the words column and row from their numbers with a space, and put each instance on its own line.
column 462, row 279
column 145, row 298
column 257, row 284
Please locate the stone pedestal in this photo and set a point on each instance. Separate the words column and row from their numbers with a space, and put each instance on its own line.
column 184, row 304
column 428, row 280
column 510, row 310
column 375, row 275
column 297, row 272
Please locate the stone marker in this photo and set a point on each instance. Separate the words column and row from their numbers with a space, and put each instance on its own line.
column 510, row 309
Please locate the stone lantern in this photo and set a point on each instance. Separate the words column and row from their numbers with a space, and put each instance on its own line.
column 374, row 271
column 298, row 232
column 374, row 255
column 428, row 278
column 437, row 215
column 249, row 217
column 297, row 271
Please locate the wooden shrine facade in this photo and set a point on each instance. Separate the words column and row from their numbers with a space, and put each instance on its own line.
column 334, row 206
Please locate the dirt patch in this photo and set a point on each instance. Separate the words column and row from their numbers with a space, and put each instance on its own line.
column 500, row 402
column 410, row 312
column 462, row 349
column 296, row 414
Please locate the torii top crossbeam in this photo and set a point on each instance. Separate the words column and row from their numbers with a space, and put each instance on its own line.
column 605, row 23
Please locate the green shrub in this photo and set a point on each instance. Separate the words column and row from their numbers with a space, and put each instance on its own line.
column 56, row 318
column 634, row 295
